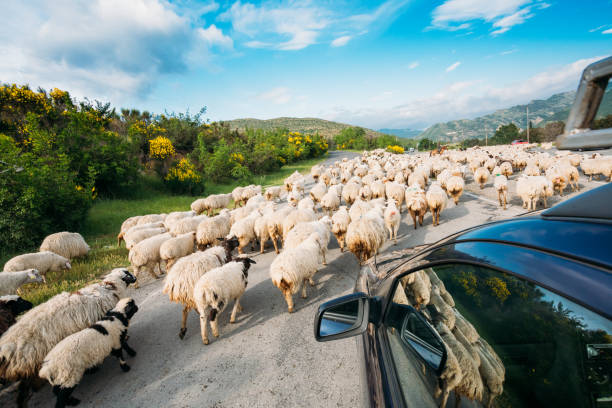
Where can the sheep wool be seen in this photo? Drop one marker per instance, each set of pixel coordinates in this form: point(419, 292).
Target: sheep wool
point(67, 244)
point(244, 230)
point(481, 175)
point(501, 185)
point(216, 289)
point(436, 200)
point(132, 237)
point(145, 255)
point(178, 247)
point(416, 202)
point(340, 223)
point(11, 281)
point(454, 187)
point(68, 361)
point(272, 193)
point(295, 216)
point(211, 229)
point(211, 203)
point(126, 225)
point(302, 231)
point(42, 261)
point(366, 235)
point(392, 220)
point(185, 225)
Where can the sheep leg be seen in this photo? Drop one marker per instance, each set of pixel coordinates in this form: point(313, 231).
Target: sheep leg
point(184, 323)
point(304, 294)
point(414, 218)
point(240, 250)
point(214, 326)
point(505, 200)
point(395, 234)
point(289, 300)
point(275, 245)
point(63, 396)
point(420, 220)
point(261, 246)
point(312, 282)
point(203, 328)
point(118, 353)
point(130, 351)
point(324, 251)
point(235, 311)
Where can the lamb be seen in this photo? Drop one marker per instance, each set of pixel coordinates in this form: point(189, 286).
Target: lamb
point(295, 216)
point(211, 203)
point(340, 223)
point(145, 255)
point(11, 281)
point(392, 219)
point(318, 191)
point(416, 202)
point(436, 200)
point(396, 192)
point(184, 274)
point(454, 187)
point(481, 175)
point(11, 306)
point(506, 169)
point(42, 261)
point(133, 237)
point(211, 229)
point(216, 289)
point(501, 185)
point(185, 225)
point(67, 244)
point(366, 235)
point(293, 267)
point(302, 231)
point(85, 350)
point(25, 344)
point(244, 230)
point(272, 193)
point(176, 248)
point(126, 225)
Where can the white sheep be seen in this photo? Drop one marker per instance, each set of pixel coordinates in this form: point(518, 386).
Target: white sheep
point(67, 244)
point(436, 200)
point(24, 346)
point(481, 175)
point(419, 288)
point(126, 225)
point(273, 193)
point(392, 219)
point(216, 289)
point(293, 267)
point(366, 235)
point(531, 188)
point(302, 231)
point(42, 261)
point(350, 192)
point(237, 195)
point(211, 229)
point(274, 223)
point(491, 370)
point(145, 255)
point(331, 200)
point(318, 191)
point(133, 237)
point(365, 193)
point(295, 216)
point(416, 202)
point(506, 169)
point(151, 218)
point(454, 187)
point(501, 186)
point(211, 203)
point(11, 281)
point(186, 272)
point(340, 222)
point(306, 203)
point(173, 217)
point(396, 192)
point(85, 350)
point(176, 248)
point(185, 225)
point(244, 230)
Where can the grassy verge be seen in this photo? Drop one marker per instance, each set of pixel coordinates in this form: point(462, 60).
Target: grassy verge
point(103, 223)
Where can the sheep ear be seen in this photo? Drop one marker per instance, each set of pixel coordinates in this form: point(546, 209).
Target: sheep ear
point(68, 266)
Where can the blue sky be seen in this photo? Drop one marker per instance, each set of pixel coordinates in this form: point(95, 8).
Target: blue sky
point(392, 64)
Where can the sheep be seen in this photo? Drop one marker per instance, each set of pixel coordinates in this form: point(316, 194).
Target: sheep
point(275, 225)
point(26, 343)
point(365, 193)
point(557, 178)
point(318, 191)
point(42, 261)
point(419, 286)
point(419, 178)
point(211, 203)
point(350, 192)
point(315, 172)
point(416, 202)
point(396, 192)
point(454, 187)
point(67, 244)
point(272, 193)
point(185, 225)
point(295, 216)
point(126, 225)
point(392, 219)
point(173, 217)
point(176, 248)
point(326, 177)
point(481, 175)
point(184, 274)
point(492, 371)
point(294, 266)
point(445, 313)
point(211, 229)
point(366, 235)
point(216, 289)
point(306, 203)
point(145, 255)
point(330, 201)
point(506, 169)
point(531, 170)
point(501, 185)
point(11, 281)
point(151, 218)
point(340, 223)
point(531, 188)
point(302, 231)
point(449, 378)
point(244, 230)
point(85, 351)
point(436, 200)
point(133, 237)
point(260, 227)
point(294, 197)
point(256, 200)
point(11, 306)
point(237, 195)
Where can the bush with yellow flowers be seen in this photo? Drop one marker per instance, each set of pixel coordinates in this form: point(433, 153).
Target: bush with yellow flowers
point(395, 149)
point(161, 148)
point(183, 177)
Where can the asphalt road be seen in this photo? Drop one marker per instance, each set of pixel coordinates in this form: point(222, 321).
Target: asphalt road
point(269, 357)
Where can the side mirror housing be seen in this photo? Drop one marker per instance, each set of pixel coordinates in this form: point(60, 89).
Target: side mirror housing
point(343, 317)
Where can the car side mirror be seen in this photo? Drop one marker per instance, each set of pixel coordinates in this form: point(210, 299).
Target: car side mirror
point(343, 317)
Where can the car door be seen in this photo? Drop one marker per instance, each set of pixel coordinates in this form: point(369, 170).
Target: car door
point(471, 334)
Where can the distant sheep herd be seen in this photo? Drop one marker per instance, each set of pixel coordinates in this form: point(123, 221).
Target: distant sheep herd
point(360, 201)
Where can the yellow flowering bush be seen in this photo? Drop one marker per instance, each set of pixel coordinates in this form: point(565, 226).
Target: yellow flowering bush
point(395, 149)
point(237, 157)
point(161, 148)
point(183, 178)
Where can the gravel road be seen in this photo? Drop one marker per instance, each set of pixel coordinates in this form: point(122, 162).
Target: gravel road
point(268, 358)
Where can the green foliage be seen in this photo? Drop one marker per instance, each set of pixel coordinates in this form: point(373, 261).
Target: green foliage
point(426, 144)
point(351, 138)
point(505, 134)
point(603, 123)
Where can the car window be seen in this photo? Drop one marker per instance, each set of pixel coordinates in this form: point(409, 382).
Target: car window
point(505, 341)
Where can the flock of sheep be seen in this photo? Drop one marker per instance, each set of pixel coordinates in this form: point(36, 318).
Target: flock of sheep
point(360, 201)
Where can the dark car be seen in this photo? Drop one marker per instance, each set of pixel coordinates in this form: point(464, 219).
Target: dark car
point(512, 313)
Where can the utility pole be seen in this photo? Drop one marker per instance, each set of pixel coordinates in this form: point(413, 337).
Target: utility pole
point(486, 136)
point(527, 123)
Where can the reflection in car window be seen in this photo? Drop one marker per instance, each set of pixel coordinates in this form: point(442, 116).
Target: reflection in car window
point(507, 341)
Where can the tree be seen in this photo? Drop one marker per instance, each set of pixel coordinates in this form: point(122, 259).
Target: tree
point(426, 144)
point(505, 134)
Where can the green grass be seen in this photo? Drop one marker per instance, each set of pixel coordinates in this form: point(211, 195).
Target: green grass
point(105, 218)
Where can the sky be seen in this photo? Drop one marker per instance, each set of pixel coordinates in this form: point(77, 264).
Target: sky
point(391, 64)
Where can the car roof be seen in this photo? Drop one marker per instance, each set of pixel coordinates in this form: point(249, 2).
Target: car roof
point(596, 203)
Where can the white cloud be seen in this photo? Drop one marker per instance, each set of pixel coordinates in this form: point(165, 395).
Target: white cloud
point(503, 14)
point(453, 66)
point(341, 41)
point(279, 95)
point(215, 37)
point(608, 31)
point(464, 99)
point(413, 65)
point(507, 52)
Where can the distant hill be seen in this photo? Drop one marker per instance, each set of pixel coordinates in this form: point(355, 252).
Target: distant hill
point(540, 112)
point(326, 128)
point(405, 133)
